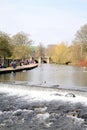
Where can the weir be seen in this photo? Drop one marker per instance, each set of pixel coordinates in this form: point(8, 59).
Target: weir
point(44, 92)
point(30, 107)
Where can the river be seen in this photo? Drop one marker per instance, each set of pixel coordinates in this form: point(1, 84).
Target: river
point(49, 97)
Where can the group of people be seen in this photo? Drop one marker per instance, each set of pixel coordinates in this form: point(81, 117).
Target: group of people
point(26, 62)
point(21, 63)
point(14, 64)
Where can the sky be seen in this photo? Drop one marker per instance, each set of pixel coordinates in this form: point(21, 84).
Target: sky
point(46, 21)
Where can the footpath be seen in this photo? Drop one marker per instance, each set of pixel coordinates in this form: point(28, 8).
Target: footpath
point(18, 68)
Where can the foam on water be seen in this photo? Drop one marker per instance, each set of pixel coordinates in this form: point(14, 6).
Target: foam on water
point(38, 94)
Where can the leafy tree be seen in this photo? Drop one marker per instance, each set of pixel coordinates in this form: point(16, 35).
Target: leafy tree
point(59, 53)
point(21, 38)
point(5, 45)
point(21, 44)
point(34, 51)
point(21, 52)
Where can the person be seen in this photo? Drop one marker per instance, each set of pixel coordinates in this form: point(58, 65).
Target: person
point(14, 64)
point(11, 64)
point(0, 65)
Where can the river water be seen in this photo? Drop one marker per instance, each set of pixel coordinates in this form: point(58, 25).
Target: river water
point(49, 97)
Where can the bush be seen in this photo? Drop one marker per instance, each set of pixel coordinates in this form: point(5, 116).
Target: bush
point(83, 63)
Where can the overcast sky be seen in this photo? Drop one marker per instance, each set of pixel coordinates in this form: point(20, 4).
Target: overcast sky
point(47, 21)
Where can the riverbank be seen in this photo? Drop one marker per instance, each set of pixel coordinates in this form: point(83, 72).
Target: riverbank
point(18, 68)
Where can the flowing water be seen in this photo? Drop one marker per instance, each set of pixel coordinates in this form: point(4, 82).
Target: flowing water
point(49, 97)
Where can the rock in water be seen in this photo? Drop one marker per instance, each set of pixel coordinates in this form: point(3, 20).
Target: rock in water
point(70, 95)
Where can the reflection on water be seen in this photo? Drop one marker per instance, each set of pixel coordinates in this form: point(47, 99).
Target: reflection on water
point(51, 74)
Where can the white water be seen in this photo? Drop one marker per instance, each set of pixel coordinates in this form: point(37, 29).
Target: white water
point(44, 110)
point(32, 100)
point(29, 93)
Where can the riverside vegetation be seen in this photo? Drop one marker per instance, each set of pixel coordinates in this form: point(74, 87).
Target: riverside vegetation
point(20, 46)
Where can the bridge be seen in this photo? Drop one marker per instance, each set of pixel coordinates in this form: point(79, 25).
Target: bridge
point(45, 59)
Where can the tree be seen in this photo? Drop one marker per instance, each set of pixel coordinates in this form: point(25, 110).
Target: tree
point(80, 44)
point(81, 35)
point(41, 50)
point(21, 38)
point(58, 53)
point(21, 52)
point(5, 45)
point(81, 38)
point(21, 44)
point(76, 54)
